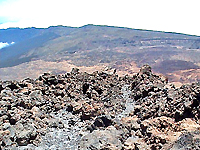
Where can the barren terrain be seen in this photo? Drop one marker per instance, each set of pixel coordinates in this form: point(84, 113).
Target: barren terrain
point(58, 49)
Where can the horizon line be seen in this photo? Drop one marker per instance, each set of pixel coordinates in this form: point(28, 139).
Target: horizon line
point(100, 26)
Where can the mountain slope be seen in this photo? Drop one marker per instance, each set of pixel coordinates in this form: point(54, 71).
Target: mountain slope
point(92, 45)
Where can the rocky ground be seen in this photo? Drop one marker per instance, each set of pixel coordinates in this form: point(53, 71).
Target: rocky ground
point(101, 110)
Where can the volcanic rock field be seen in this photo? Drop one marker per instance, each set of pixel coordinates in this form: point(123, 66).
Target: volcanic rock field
point(101, 110)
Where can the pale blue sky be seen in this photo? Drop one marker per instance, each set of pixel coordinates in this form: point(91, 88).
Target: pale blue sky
point(161, 15)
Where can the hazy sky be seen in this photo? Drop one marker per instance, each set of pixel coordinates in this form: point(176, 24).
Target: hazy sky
point(180, 16)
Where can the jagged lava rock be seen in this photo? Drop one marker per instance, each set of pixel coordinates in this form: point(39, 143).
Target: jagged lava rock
point(101, 110)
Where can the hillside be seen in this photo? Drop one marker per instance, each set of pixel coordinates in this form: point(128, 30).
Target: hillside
point(99, 46)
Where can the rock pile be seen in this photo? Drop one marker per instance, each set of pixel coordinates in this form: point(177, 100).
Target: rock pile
point(101, 110)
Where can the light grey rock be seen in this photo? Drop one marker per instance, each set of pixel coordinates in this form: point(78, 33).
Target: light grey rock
point(100, 139)
point(188, 140)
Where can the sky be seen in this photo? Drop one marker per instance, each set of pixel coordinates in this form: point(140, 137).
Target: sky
point(181, 16)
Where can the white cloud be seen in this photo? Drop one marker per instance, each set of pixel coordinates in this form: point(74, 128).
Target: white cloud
point(171, 16)
point(2, 45)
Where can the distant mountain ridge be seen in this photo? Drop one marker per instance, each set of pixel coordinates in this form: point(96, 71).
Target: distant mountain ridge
point(92, 45)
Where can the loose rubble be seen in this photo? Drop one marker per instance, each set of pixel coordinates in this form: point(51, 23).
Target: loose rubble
point(101, 110)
